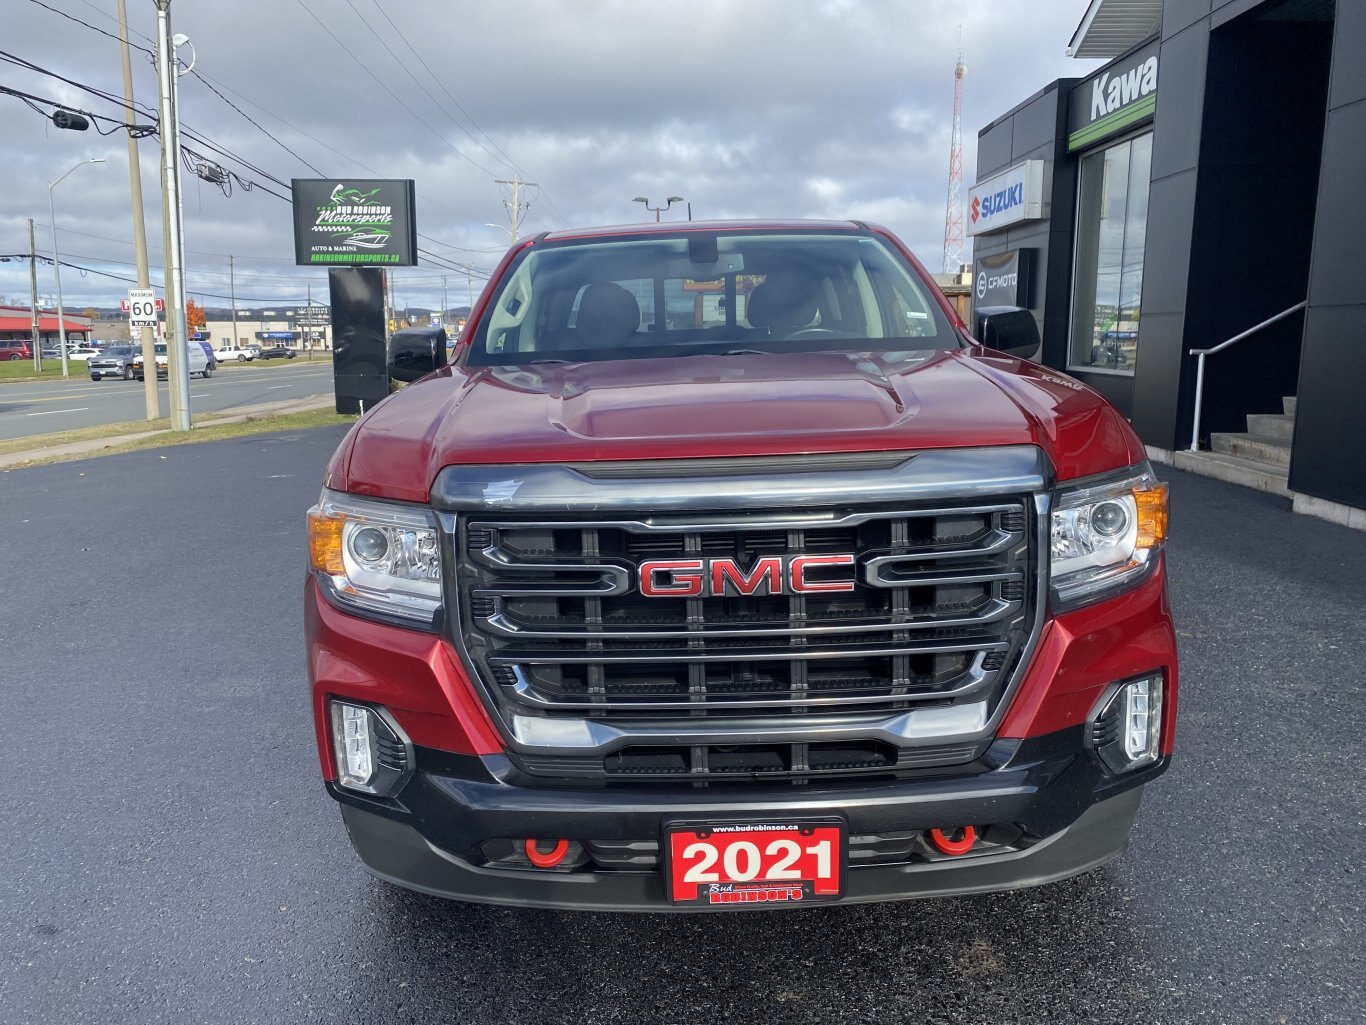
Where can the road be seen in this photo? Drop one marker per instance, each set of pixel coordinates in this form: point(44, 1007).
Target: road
point(168, 854)
point(50, 407)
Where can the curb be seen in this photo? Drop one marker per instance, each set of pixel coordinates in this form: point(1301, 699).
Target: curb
point(95, 445)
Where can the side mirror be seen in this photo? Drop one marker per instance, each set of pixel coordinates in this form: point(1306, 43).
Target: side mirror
point(1008, 329)
point(414, 354)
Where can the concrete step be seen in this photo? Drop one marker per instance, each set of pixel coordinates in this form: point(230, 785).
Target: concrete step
point(1251, 446)
point(1271, 425)
point(1235, 470)
point(1288, 404)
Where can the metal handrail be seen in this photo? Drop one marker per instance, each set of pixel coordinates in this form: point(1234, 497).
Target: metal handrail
point(1202, 353)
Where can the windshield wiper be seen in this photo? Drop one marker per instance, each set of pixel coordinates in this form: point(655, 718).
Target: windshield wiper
point(748, 352)
point(543, 362)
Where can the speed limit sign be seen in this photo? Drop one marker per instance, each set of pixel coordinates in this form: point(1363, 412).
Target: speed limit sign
point(142, 307)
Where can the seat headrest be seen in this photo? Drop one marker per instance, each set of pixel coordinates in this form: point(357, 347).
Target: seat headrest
point(782, 302)
point(608, 315)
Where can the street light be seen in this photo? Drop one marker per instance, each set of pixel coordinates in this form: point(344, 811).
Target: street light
point(57, 260)
point(656, 209)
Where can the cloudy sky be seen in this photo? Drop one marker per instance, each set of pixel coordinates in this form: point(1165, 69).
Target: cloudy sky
point(747, 108)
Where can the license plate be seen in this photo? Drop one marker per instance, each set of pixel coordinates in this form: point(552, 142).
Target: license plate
point(753, 864)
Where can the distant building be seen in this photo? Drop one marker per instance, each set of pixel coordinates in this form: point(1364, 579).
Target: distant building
point(16, 324)
point(303, 328)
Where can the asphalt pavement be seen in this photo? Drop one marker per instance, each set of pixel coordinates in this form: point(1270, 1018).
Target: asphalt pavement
point(168, 853)
point(47, 407)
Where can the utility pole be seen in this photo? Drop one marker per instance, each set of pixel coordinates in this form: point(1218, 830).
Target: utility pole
point(173, 229)
point(445, 306)
point(33, 300)
point(144, 337)
point(516, 207)
point(232, 297)
point(308, 330)
point(388, 304)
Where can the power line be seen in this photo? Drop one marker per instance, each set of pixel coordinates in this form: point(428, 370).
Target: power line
point(459, 106)
point(133, 281)
point(437, 103)
point(263, 130)
point(93, 28)
point(366, 68)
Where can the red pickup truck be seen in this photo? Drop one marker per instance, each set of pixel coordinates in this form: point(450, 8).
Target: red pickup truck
point(723, 567)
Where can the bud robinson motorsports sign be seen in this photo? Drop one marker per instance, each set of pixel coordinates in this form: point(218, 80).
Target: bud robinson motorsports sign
point(355, 222)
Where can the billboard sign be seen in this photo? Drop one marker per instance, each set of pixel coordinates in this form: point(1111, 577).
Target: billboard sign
point(355, 222)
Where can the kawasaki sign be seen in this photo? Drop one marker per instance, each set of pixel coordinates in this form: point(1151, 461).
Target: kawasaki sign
point(1006, 198)
point(354, 222)
point(1121, 94)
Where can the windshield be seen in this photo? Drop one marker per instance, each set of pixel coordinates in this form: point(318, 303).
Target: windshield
point(708, 292)
point(119, 350)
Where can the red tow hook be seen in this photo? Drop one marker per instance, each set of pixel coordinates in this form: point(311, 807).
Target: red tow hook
point(944, 845)
point(548, 860)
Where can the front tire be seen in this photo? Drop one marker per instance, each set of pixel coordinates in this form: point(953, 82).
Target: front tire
point(241, 358)
point(127, 373)
point(208, 371)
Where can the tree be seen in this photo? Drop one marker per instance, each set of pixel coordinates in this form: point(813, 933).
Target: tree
point(194, 316)
point(91, 313)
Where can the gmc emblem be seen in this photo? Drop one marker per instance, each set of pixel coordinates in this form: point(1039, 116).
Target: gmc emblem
point(715, 578)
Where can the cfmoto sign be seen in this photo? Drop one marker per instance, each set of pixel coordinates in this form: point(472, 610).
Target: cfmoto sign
point(1004, 279)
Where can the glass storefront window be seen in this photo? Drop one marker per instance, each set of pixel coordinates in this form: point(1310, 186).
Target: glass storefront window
point(1107, 284)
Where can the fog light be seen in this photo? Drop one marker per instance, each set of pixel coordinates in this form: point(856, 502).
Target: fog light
point(373, 755)
point(1127, 732)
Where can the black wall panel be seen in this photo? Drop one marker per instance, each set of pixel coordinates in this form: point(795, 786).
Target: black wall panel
point(360, 376)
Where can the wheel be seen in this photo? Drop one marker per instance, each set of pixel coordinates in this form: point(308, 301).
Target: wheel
point(241, 358)
point(15, 357)
point(93, 377)
point(292, 355)
point(127, 373)
point(208, 371)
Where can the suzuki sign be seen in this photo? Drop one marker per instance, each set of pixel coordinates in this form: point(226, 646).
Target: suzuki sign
point(1006, 198)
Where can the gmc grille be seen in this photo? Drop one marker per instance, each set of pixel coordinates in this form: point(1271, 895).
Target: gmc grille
point(941, 607)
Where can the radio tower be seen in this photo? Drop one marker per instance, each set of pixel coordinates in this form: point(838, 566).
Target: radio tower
point(953, 217)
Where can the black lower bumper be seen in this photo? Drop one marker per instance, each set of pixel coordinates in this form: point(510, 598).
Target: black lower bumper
point(1069, 815)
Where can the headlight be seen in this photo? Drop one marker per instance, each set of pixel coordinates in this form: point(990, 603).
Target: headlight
point(377, 556)
point(1104, 538)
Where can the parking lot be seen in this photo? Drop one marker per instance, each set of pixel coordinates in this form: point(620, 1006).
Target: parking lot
point(169, 854)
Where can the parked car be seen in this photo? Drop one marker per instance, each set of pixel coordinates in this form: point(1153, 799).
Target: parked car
point(115, 361)
point(199, 361)
point(84, 352)
point(52, 353)
point(15, 350)
point(796, 600)
point(277, 352)
point(240, 353)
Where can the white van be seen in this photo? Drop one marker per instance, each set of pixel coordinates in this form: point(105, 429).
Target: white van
point(195, 353)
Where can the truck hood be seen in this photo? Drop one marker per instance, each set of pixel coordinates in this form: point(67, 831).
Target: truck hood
point(718, 406)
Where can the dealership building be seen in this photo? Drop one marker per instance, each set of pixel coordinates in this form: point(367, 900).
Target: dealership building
point(1208, 183)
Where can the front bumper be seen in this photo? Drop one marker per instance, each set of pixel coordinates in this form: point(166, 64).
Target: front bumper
point(1037, 776)
point(432, 841)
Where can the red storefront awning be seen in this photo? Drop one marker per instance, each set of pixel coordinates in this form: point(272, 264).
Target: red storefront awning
point(46, 323)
